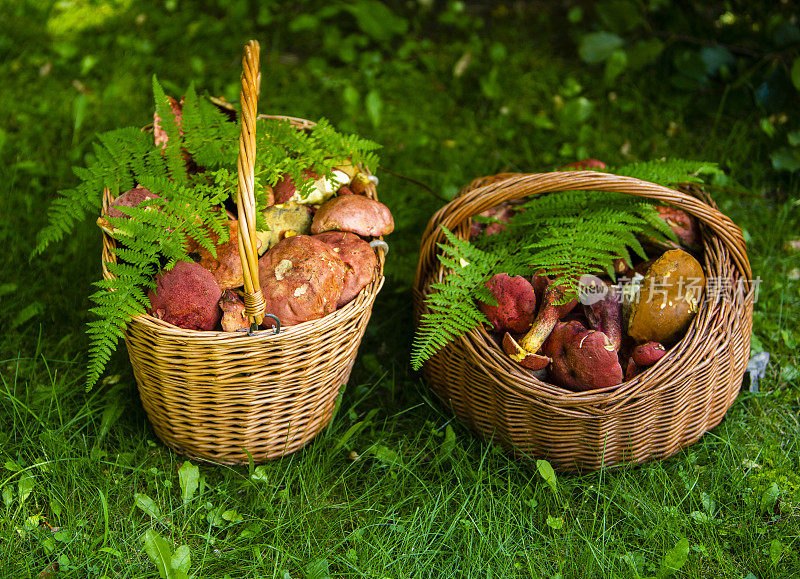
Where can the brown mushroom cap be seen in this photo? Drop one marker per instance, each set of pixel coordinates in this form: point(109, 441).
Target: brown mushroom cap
point(359, 259)
point(516, 304)
point(301, 279)
point(669, 298)
point(354, 213)
point(186, 296)
point(359, 183)
point(131, 198)
point(581, 359)
point(226, 267)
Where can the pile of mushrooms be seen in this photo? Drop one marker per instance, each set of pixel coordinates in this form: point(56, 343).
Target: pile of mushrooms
point(613, 332)
point(313, 260)
point(315, 253)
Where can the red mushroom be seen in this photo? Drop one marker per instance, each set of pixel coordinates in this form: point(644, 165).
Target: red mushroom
point(501, 213)
point(683, 225)
point(583, 165)
point(525, 351)
point(643, 356)
point(226, 267)
point(359, 260)
point(516, 304)
point(581, 359)
point(186, 296)
point(131, 198)
point(648, 353)
point(632, 370)
point(354, 213)
point(540, 283)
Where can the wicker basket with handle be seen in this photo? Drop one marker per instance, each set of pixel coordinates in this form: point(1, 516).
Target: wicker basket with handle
point(653, 416)
point(226, 397)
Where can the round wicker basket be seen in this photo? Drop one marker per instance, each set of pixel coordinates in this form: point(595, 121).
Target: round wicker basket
point(651, 417)
point(229, 397)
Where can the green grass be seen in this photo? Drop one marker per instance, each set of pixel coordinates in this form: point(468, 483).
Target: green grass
point(412, 493)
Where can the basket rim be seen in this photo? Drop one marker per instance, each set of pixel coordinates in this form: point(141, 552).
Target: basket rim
point(470, 201)
point(363, 301)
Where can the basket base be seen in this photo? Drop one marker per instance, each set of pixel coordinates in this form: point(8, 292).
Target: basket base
point(262, 431)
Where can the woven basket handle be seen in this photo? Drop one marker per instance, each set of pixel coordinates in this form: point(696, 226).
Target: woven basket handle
point(508, 187)
point(245, 197)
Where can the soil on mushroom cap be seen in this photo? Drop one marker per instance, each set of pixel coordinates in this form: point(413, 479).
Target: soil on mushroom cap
point(359, 259)
point(301, 279)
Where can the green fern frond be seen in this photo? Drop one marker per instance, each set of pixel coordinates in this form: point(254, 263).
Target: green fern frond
point(114, 308)
point(452, 308)
point(668, 171)
point(208, 136)
point(360, 151)
point(283, 149)
point(111, 167)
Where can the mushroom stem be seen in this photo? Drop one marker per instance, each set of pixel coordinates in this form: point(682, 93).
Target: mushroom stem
point(545, 320)
point(524, 351)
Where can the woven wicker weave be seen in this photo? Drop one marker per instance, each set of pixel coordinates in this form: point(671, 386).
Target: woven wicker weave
point(223, 396)
point(653, 416)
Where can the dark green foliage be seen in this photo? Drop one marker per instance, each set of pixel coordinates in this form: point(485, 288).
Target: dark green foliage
point(209, 135)
point(577, 232)
point(192, 202)
point(283, 149)
point(742, 53)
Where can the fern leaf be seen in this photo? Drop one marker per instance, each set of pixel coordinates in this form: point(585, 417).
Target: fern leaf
point(452, 306)
point(668, 171)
